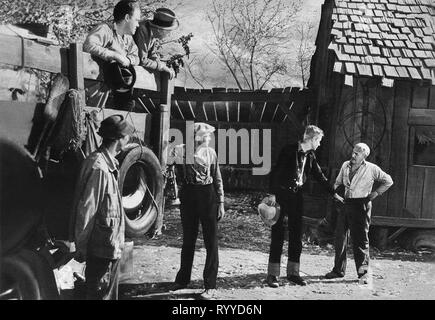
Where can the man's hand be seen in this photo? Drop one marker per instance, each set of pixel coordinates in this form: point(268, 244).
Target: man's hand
point(170, 71)
point(221, 211)
point(272, 200)
point(123, 60)
point(338, 198)
point(372, 196)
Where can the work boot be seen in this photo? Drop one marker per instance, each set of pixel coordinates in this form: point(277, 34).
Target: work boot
point(293, 273)
point(333, 275)
point(208, 294)
point(272, 281)
point(296, 280)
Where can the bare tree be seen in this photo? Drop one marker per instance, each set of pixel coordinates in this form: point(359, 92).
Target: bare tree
point(306, 47)
point(252, 38)
point(194, 69)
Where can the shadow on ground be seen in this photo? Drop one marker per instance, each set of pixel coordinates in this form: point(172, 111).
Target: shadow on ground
point(243, 229)
point(161, 290)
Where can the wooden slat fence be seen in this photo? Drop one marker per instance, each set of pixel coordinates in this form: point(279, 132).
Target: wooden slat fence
point(233, 105)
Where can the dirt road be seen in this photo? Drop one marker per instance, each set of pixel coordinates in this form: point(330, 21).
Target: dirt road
point(244, 244)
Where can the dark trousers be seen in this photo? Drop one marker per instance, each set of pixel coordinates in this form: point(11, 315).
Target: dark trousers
point(102, 278)
point(354, 218)
point(199, 204)
point(291, 206)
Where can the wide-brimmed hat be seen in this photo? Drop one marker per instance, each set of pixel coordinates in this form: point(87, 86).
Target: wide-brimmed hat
point(201, 129)
point(164, 19)
point(269, 213)
point(115, 127)
point(119, 77)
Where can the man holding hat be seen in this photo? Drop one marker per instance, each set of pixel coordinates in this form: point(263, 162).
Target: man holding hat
point(113, 47)
point(201, 200)
point(294, 163)
point(269, 210)
point(147, 35)
point(98, 218)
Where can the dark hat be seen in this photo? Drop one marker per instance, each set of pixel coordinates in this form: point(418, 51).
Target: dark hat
point(117, 76)
point(115, 127)
point(164, 19)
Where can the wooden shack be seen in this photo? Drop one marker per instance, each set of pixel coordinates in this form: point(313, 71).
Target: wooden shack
point(373, 80)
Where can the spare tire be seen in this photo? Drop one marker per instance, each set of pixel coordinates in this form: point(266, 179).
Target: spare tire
point(141, 186)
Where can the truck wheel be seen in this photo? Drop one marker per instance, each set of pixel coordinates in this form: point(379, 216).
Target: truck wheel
point(141, 185)
point(18, 281)
point(19, 180)
point(26, 275)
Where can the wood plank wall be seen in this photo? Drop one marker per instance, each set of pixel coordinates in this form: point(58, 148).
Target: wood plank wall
point(398, 109)
point(233, 105)
point(420, 188)
point(399, 149)
point(240, 176)
point(31, 54)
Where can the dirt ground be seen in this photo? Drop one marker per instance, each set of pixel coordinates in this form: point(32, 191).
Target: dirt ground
point(243, 253)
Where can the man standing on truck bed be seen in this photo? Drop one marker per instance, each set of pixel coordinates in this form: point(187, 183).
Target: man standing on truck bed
point(113, 42)
point(98, 212)
point(149, 33)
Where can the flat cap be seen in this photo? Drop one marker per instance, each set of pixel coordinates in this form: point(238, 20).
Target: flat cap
point(115, 127)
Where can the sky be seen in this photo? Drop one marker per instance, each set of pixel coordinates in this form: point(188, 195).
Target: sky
point(192, 17)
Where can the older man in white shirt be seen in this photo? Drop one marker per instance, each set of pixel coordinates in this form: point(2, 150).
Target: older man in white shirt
point(357, 176)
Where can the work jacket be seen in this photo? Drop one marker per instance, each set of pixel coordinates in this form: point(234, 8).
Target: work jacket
point(97, 208)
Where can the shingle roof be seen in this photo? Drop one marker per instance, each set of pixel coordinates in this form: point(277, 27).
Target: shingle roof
point(386, 38)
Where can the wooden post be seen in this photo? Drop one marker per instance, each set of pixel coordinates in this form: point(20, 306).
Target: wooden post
point(160, 128)
point(199, 111)
point(161, 121)
point(75, 69)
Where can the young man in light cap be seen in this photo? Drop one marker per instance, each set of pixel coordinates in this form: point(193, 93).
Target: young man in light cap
point(149, 33)
point(98, 225)
point(202, 200)
point(357, 176)
point(288, 176)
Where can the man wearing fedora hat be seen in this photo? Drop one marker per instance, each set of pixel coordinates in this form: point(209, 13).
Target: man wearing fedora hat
point(147, 35)
point(113, 47)
point(288, 176)
point(98, 220)
point(201, 200)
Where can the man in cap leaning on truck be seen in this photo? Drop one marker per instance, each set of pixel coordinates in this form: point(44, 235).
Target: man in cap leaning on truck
point(98, 225)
